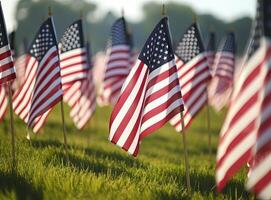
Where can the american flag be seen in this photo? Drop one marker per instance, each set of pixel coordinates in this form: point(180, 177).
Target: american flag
point(42, 88)
point(210, 50)
point(7, 69)
point(151, 94)
point(238, 134)
point(73, 58)
point(193, 74)
point(221, 85)
point(118, 65)
point(83, 106)
point(3, 101)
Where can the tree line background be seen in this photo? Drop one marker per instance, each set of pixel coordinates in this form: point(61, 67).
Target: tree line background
point(31, 13)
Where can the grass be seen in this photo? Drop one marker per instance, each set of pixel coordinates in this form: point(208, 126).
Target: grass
point(99, 170)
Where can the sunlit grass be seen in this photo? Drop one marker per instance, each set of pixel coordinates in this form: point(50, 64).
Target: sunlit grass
point(98, 169)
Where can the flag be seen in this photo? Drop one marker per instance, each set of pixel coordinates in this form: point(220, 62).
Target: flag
point(151, 93)
point(221, 85)
point(83, 107)
point(210, 51)
point(238, 134)
point(193, 73)
point(73, 58)
point(7, 69)
point(118, 64)
point(259, 179)
point(3, 101)
point(42, 88)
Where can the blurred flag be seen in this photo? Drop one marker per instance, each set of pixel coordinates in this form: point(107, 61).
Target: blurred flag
point(210, 51)
point(193, 73)
point(247, 110)
point(7, 69)
point(73, 58)
point(221, 85)
point(11, 38)
point(3, 101)
point(84, 105)
point(151, 94)
point(41, 89)
point(118, 65)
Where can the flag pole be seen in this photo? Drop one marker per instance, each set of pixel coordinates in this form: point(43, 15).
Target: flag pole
point(12, 126)
point(187, 173)
point(64, 130)
point(209, 127)
point(62, 112)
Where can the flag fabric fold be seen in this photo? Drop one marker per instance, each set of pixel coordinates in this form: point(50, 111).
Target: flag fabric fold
point(7, 68)
point(41, 89)
point(73, 55)
point(194, 75)
point(151, 94)
point(245, 135)
point(118, 64)
point(221, 84)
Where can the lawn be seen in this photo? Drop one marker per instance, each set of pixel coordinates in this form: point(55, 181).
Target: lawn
point(98, 169)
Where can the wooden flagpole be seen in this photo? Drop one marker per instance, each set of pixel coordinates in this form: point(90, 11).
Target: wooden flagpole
point(209, 128)
point(64, 130)
point(187, 173)
point(62, 112)
point(12, 126)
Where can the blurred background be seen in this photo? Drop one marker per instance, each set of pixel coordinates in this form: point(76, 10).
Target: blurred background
point(25, 16)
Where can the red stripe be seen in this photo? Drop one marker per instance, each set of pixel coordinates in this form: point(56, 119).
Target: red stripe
point(203, 60)
point(126, 92)
point(159, 124)
point(78, 64)
point(82, 54)
point(5, 55)
point(131, 109)
point(8, 78)
point(231, 171)
point(162, 76)
point(262, 183)
point(7, 66)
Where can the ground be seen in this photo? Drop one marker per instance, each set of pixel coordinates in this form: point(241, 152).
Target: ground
point(98, 169)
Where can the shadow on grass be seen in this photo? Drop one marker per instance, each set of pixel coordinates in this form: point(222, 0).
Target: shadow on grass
point(115, 156)
point(98, 153)
point(205, 183)
point(82, 164)
point(10, 182)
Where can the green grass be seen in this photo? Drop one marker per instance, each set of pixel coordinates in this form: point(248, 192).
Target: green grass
point(99, 170)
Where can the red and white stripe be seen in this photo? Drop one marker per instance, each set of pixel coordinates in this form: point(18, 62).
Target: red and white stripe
point(74, 66)
point(193, 78)
point(7, 69)
point(221, 85)
point(3, 102)
point(84, 106)
point(148, 100)
point(259, 180)
point(224, 65)
point(42, 78)
point(210, 55)
point(118, 67)
point(238, 133)
point(20, 64)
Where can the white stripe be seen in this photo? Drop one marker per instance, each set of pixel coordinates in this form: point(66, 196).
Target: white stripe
point(191, 64)
point(235, 129)
point(234, 155)
point(116, 64)
point(190, 86)
point(48, 91)
point(4, 49)
point(117, 56)
point(74, 68)
point(120, 47)
point(48, 102)
point(73, 52)
point(157, 118)
point(123, 111)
